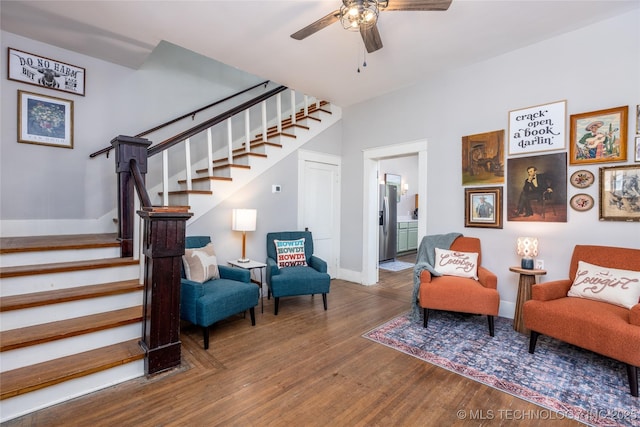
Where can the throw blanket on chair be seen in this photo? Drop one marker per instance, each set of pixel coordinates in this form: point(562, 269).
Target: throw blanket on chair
point(424, 261)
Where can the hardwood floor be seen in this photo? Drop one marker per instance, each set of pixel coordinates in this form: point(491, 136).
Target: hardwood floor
point(304, 367)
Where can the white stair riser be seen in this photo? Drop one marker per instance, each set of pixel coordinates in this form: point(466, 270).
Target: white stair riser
point(26, 403)
point(21, 357)
point(47, 282)
point(47, 257)
point(67, 310)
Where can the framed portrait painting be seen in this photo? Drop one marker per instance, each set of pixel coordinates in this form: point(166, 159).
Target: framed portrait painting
point(483, 207)
point(599, 136)
point(45, 120)
point(537, 188)
point(483, 158)
point(620, 193)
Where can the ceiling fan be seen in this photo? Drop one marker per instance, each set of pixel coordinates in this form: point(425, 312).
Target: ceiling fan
point(362, 15)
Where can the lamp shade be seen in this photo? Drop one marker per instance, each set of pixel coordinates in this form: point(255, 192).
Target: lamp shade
point(527, 247)
point(244, 220)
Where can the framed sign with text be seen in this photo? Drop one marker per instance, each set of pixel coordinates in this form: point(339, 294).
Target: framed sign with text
point(537, 128)
point(45, 72)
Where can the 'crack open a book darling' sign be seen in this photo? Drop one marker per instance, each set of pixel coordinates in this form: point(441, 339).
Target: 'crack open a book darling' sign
point(539, 128)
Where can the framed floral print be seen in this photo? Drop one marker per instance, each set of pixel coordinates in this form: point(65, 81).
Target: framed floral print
point(45, 120)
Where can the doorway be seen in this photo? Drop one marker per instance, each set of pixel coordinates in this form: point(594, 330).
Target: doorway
point(319, 204)
point(370, 202)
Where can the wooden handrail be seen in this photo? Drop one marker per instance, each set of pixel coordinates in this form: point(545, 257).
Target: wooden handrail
point(184, 116)
point(170, 142)
point(138, 179)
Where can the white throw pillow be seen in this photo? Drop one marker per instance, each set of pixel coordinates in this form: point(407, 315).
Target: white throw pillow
point(618, 287)
point(201, 264)
point(290, 253)
point(455, 263)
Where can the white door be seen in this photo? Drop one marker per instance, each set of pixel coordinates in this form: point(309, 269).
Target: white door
point(319, 198)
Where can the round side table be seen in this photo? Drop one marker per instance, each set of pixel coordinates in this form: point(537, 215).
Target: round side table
point(527, 279)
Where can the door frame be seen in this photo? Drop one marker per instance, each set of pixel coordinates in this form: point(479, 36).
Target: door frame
point(333, 160)
point(370, 181)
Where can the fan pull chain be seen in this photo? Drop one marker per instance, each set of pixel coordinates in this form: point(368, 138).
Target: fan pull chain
point(364, 58)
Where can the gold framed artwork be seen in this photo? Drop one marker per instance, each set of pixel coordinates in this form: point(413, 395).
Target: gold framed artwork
point(483, 207)
point(599, 136)
point(483, 158)
point(620, 193)
point(45, 120)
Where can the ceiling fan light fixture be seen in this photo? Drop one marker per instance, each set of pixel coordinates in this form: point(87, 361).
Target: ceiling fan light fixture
point(356, 13)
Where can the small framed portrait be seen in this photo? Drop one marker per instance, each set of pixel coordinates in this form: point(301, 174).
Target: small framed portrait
point(620, 193)
point(483, 207)
point(599, 136)
point(637, 150)
point(45, 120)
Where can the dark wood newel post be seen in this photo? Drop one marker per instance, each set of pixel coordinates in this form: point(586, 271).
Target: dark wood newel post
point(128, 148)
point(164, 236)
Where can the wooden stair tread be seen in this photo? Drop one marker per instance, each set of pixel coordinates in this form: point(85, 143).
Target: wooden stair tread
point(57, 242)
point(206, 178)
point(37, 299)
point(47, 332)
point(45, 374)
point(179, 192)
point(60, 267)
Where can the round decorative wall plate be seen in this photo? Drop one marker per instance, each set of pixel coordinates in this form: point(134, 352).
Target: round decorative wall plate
point(582, 179)
point(581, 202)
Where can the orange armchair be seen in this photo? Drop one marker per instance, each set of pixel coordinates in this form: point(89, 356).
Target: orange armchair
point(598, 326)
point(466, 295)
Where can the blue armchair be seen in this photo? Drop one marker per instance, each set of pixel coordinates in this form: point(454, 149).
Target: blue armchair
point(203, 304)
point(284, 281)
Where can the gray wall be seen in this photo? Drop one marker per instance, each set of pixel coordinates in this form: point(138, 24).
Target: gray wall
point(477, 99)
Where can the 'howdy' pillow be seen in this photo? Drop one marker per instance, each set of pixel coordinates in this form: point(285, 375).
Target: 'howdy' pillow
point(618, 287)
point(454, 263)
point(290, 253)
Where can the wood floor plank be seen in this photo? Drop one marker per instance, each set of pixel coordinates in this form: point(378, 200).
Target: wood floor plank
point(305, 366)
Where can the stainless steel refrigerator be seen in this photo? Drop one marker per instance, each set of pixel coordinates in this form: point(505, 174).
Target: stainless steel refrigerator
point(387, 219)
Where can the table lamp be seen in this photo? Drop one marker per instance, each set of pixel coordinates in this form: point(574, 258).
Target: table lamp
point(528, 249)
point(244, 220)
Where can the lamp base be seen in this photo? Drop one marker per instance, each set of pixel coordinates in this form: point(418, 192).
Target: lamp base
point(527, 263)
point(247, 260)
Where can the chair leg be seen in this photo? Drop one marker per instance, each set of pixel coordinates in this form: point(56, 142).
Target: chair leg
point(324, 301)
point(205, 334)
point(491, 325)
point(252, 313)
point(533, 339)
point(275, 305)
point(425, 317)
point(632, 372)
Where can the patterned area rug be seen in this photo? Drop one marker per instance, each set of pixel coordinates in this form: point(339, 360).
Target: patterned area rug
point(575, 383)
point(395, 265)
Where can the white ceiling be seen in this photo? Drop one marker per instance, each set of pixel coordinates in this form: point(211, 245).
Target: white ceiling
point(254, 36)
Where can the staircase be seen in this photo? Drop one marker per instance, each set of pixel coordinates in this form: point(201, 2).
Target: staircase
point(208, 188)
point(71, 307)
point(70, 313)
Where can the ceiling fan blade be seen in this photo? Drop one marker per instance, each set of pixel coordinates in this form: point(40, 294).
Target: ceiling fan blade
point(317, 26)
point(418, 5)
point(371, 37)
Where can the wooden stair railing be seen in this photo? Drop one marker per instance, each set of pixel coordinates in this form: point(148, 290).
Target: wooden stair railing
point(163, 233)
